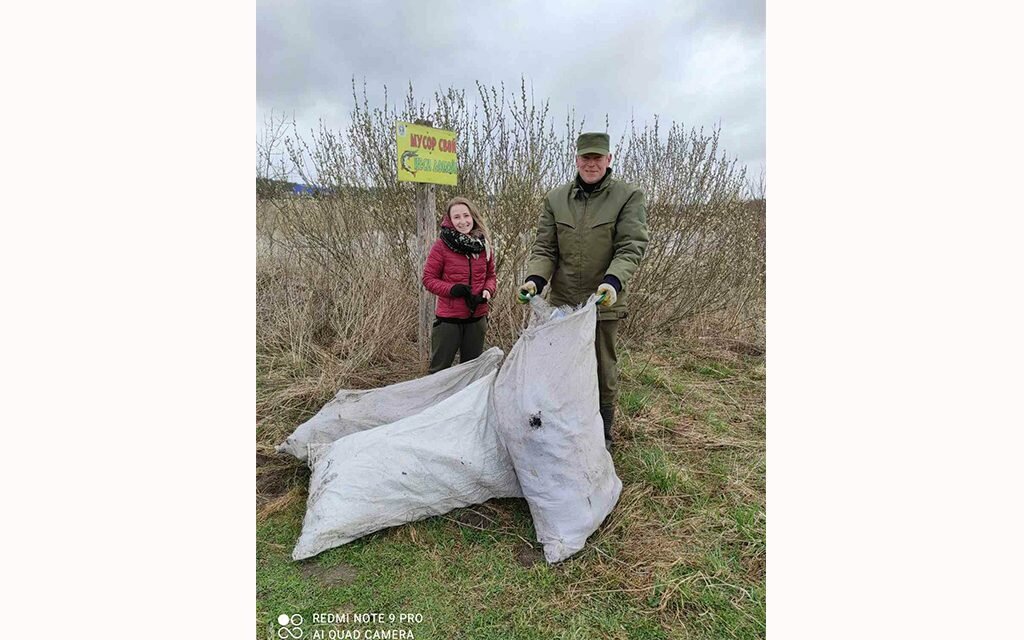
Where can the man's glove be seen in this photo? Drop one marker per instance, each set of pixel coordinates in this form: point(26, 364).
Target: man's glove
point(526, 291)
point(460, 291)
point(609, 294)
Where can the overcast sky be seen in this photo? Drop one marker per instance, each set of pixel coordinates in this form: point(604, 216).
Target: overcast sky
point(699, 63)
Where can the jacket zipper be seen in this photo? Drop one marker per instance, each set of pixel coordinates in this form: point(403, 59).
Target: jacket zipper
point(470, 259)
point(583, 223)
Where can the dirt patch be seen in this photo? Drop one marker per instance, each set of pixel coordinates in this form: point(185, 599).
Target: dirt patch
point(528, 556)
point(337, 576)
point(755, 568)
point(738, 347)
point(471, 518)
point(746, 349)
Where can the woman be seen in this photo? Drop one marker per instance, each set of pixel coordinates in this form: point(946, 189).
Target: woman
point(460, 272)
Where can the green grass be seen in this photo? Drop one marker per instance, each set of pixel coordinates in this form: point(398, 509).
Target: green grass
point(681, 556)
point(633, 401)
point(657, 470)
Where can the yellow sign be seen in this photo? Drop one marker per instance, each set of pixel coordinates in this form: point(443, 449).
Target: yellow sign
point(426, 154)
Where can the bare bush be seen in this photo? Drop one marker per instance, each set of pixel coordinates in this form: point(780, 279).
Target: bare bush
point(704, 258)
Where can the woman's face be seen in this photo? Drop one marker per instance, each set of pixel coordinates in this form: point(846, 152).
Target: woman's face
point(461, 218)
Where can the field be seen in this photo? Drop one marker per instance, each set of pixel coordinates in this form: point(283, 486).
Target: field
point(681, 556)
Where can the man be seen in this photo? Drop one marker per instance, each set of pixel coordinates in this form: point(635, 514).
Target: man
point(591, 236)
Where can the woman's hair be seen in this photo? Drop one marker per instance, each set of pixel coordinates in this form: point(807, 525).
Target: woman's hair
point(479, 224)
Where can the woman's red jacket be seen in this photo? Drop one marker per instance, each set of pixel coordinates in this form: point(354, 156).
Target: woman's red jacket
point(446, 268)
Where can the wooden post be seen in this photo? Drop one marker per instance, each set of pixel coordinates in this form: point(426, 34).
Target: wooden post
point(426, 235)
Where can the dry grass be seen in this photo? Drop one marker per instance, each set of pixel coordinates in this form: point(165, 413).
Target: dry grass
point(675, 530)
point(684, 547)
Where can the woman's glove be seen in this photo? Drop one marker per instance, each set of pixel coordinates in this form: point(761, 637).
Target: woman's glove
point(474, 301)
point(460, 291)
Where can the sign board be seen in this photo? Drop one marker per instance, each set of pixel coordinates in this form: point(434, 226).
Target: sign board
point(426, 154)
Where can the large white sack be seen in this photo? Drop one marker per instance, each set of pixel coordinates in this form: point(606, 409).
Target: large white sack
point(546, 404)
point(353, 411)
point(446, 457)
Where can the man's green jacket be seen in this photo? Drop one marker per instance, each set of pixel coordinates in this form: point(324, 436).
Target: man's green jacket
point(582, 238)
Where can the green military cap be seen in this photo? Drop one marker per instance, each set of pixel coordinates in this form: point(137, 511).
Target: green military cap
point(592, 143)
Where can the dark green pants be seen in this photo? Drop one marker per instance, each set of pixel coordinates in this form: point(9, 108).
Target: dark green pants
point(449, 338)
point(607, 362)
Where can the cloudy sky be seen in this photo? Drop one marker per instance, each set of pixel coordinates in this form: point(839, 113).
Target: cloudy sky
point(701, 63)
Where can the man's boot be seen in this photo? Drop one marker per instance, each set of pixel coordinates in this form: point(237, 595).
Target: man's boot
point(608, 417)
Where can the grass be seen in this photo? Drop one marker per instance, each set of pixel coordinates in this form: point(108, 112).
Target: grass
point(681, 556)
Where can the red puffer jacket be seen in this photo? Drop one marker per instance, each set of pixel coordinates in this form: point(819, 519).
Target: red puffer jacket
point(446, 268)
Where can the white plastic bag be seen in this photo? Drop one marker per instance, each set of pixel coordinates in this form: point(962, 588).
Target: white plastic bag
point(353, 411)
point(445, 457)
point(546, 404)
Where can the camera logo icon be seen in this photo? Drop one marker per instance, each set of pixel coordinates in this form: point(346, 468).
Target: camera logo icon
point(291, 626)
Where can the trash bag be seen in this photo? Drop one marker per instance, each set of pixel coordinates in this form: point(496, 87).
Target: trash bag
point(445, 457)
point(546, 405)
point(353, 411)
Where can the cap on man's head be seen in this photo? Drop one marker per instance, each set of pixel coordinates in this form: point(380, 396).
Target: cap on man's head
point(592, 143)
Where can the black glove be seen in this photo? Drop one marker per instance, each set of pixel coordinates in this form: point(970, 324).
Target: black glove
point(474, 301)
point(460, 291)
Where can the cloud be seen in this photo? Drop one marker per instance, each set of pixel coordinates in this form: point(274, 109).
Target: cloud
point(696, 63)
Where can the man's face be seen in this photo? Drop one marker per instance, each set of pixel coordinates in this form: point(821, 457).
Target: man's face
point(592, 166)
